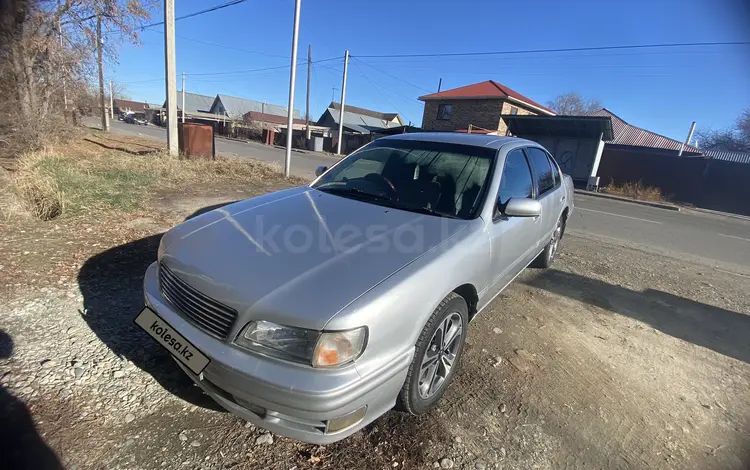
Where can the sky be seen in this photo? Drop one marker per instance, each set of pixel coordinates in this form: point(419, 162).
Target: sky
point(662, 90)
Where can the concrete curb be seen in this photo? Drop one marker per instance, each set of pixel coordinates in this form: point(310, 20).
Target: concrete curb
point(658, 205)
point(718, 213)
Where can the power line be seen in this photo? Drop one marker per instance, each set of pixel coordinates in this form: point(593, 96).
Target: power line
point(565, 49)
point(393, 76)
point(411, 99)
point(378, 90)
point(201, 12)
point(278, 67)
point(222, 46)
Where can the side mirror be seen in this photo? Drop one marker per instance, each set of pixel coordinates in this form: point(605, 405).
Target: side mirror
point(320, 170)
point(522, 207)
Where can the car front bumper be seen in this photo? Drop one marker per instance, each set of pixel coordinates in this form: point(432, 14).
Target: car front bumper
point(292, 400)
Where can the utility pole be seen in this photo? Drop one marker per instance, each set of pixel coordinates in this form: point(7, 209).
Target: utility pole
point(687, 141)
point(440, 85)
point(183, 97)
point(171, 79)
point(105, 121)
point(343, 98)
point(292, 80)
point(307, 99)
point(111, 101)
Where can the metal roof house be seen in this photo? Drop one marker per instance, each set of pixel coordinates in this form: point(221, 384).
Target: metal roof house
point(626, 135)
point(737, 157)
point(123, 106)
point(236, 108)
point(194, 103)
point(356, 121)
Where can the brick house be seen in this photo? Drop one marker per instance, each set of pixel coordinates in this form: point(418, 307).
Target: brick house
point(480, 105)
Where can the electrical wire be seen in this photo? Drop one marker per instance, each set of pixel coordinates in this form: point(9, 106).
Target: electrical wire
point(221, 46)
point(201, 12)
point(378, 90)
point(278, 67)
point(392, 76)
point(564, 49)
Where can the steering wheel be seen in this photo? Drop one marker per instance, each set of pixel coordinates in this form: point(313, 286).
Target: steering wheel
point(383, 181)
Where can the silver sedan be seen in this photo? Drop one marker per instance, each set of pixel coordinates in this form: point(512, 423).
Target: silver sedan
point(312, 311)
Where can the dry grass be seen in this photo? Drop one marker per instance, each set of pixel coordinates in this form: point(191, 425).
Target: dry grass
point(106, 174)
point(635, 190)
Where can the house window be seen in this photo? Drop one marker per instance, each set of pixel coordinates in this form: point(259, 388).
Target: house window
point(513, 110)
point(444, 112)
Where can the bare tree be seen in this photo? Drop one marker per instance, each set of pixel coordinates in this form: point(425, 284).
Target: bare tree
point(573, 104)
point(119, 91)
point(734, 139)
point(47, 46)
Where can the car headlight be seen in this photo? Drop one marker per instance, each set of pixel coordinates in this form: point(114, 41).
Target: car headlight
point(319, 349)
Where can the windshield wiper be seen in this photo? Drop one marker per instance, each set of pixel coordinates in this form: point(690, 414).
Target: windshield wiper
point(388, 202)
point(421, 210)
point(354, 192)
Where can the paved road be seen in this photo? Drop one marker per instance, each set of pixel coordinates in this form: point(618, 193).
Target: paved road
point(707, 236)
point(303, 163)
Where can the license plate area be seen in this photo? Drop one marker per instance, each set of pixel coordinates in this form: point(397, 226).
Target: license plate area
point(182, 349)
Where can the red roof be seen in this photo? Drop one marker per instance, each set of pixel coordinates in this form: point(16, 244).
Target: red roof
point(488, 89)
point(135, 106)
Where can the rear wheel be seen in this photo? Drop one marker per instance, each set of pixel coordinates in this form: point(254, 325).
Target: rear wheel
point(547, 256)
point(436, 357)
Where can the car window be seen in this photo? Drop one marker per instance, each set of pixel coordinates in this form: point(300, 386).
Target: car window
point(516, 178)
point(361, 167)
point(555, 171)
point(542, 170)
point(434, 177)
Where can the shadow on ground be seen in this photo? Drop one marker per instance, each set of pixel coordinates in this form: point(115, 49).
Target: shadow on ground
point(715, 328)
point(21, 446)
point(112, 286)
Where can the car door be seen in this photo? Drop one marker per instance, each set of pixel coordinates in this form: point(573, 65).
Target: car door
point(513, 240)
point(545, 185)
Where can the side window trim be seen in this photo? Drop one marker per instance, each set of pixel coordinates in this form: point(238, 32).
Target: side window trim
point(555, 166)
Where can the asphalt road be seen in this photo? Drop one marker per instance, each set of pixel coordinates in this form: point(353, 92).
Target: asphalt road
point(707, 236)
point(303, 162)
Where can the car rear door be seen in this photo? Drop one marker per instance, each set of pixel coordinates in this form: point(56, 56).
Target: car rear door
point(513, 240)
point(545, 185)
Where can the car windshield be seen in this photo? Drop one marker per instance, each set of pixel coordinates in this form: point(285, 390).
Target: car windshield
point(447, 180)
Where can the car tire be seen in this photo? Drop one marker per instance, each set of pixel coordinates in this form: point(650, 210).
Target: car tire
point(547, 256)
point(433, 366)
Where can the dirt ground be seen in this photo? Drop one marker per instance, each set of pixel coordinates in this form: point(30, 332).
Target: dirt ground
point(615, 358)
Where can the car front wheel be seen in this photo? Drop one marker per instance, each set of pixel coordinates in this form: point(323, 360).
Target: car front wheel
point(436, 357)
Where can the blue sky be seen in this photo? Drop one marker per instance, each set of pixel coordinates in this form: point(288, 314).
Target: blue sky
point(662, 90)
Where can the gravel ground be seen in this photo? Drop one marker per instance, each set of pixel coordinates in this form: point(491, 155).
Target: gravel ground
point(615, 358)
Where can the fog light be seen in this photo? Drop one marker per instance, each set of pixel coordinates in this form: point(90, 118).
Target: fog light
point(346, 421)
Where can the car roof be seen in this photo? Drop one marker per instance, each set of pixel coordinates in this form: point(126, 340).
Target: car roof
point(477, 140)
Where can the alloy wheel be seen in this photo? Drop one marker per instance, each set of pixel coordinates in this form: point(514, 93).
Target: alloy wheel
point(555, 241)
point(440, 356)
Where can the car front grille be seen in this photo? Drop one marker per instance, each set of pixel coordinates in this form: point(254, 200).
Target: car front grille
point(203, 311)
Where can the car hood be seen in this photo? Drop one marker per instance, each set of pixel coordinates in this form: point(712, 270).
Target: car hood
point(297, 257)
